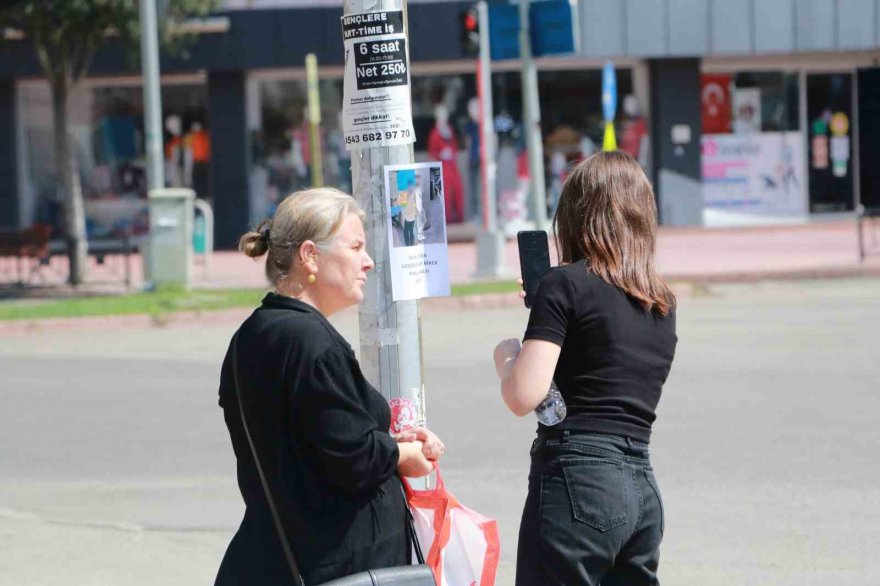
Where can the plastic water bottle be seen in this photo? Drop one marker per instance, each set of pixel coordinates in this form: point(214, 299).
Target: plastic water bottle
point(552, 409)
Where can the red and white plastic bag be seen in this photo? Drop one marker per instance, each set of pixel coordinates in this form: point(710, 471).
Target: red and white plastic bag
point(461, 546)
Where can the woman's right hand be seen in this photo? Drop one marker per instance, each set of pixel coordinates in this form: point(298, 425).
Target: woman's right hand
point(412, 462)
point(432, 446)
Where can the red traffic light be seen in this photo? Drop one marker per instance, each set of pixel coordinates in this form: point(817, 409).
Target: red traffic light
point(470, 22)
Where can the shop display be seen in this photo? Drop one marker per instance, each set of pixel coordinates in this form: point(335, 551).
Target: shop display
point(829, 112)
point(443, 146)
point(107, 124)
point(197, 157)
point(634, 130)
point(174, 164)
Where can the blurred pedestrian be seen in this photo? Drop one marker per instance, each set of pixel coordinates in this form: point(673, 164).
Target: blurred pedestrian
point(602, 327)
point(320, 430)
point(411, 214)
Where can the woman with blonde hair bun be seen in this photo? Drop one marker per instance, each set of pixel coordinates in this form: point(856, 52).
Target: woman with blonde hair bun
point(602, 327)
point(319, 429)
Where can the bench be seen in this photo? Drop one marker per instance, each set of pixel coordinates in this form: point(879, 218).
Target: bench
point(26, 247)
point(103, 248)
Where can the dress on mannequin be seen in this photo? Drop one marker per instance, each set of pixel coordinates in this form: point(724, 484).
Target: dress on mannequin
point(198, 144)
point(635, 129)
point(174, 155)
point(443, 147)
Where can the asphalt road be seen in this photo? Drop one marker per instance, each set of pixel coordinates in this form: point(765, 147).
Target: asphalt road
point(116, 467)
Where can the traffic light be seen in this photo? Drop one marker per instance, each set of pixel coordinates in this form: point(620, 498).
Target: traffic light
point(470, 31)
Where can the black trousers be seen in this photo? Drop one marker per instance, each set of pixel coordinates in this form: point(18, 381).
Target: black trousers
point(593, 515)
point(409, 233)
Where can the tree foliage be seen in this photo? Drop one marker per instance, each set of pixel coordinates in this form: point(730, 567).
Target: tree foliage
point(67, 33)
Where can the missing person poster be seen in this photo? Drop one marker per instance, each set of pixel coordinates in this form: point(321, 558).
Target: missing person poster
point(417, 231)
point(376, 103)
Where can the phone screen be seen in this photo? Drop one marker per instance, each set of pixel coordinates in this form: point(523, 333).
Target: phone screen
point(534, 260)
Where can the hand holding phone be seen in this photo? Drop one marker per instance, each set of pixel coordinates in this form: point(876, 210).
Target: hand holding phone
point(534, 260)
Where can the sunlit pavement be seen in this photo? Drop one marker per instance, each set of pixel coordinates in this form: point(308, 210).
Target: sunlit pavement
point(117, 468)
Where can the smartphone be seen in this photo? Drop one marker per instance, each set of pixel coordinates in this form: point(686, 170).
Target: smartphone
point(534, 260)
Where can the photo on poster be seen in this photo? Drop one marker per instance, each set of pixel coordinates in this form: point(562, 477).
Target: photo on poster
point(417, 231)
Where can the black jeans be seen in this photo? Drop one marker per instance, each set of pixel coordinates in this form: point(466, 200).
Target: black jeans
point(593, 515)
point(409, 233)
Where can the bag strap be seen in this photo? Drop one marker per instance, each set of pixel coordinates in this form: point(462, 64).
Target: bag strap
point(411, 529)
point(276, 518)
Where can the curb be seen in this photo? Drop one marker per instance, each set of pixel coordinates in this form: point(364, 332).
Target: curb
point(123, 322)
point(778, 275)
point(684, 285)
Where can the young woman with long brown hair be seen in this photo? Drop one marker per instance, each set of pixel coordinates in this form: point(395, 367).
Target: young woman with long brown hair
point(602, 327)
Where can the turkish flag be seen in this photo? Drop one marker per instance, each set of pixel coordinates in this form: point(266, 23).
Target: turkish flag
point(715, 100)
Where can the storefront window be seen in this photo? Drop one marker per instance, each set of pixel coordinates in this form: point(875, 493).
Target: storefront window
point(106, 124)
point(571, 124)
point(445, 118)
point(753, 149)
point(282, 158)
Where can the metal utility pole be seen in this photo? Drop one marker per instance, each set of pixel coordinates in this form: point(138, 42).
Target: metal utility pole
point(857, 173)
point(390, 355)
point(152, 95)
point(314, 120)
point(532, 121)
point(490, 242)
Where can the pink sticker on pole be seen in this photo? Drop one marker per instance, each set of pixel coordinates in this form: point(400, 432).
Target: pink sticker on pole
point(404, 415)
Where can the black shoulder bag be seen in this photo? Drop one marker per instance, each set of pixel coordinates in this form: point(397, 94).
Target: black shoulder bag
point(418, 575)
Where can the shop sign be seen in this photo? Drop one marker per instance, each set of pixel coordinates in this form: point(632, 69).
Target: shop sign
point(751, 177)
point(376, 103)
point(551, 29)
point(416, 221)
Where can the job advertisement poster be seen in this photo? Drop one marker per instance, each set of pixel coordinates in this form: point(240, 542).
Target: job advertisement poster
point(376, 104)
point(417, 231)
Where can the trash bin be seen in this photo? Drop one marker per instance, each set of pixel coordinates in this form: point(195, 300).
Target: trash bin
point(171, 236)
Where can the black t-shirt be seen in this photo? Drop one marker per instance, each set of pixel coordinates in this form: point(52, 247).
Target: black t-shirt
point(615, 355)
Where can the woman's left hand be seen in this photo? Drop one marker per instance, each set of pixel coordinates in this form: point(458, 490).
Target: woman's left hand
point(432, 447)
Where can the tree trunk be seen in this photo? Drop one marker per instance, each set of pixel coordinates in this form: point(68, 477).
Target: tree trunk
point(68, 173)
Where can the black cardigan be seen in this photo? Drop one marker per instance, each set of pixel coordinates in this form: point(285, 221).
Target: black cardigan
point(322, 434)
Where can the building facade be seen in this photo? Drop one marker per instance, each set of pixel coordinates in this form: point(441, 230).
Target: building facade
point(742, 111)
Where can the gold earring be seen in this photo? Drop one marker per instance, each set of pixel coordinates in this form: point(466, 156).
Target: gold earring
point(312, 278)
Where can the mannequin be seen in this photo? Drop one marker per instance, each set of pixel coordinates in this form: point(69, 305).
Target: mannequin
point(196, 159)
point(174, 155)
point(473, 207)
point(300, 153)
point(634, 135)
point(442, 146)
